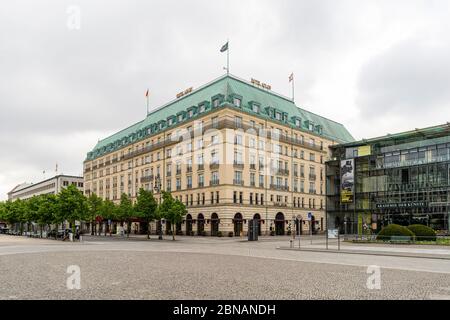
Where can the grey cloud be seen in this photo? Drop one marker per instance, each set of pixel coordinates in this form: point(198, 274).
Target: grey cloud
point(411, 79)
point(61, 90)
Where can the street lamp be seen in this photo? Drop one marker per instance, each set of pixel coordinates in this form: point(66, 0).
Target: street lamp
point(158, 190)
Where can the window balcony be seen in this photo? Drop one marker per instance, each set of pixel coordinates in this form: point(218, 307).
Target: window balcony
point(312, 177)
point(282, 172)
point(178, 172)
point(252, 166)
point(238, 165)
point(189, 169)
point(214, 166)
point(201, 184)
point(279, 187)
point(201, 167)
point(238, 182)
point(214, 182)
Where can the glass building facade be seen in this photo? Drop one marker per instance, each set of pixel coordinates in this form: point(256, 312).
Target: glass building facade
point(402, 179)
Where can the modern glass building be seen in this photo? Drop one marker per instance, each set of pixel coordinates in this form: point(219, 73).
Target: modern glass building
point(401, 178)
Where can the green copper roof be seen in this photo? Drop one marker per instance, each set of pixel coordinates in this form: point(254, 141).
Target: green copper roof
point(224, 88)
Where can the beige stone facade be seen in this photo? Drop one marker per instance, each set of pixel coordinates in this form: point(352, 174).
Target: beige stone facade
point(228, 166)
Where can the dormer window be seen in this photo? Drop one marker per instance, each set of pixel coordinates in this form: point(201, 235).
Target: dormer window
point(202, 108)
point(216, 103)
point(298, 123)
point(170, 121)
point(191, 113)
point(180, 117)
point(278, 116)
point(237, 102)
point(255, 108)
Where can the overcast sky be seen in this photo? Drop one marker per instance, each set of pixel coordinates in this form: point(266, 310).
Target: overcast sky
point(376, 66)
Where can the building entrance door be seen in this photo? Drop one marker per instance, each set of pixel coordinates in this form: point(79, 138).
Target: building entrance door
point(279, 224)
point(238, 224)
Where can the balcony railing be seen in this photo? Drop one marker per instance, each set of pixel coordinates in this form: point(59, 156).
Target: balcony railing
point(214, 166)
point(279, 187)
point(238, 165)
point(238, 182)
point(189, 169)
point(282, 172)
point(252, 166)
point(201, 184)
point(178, 172)
point(146, 179)
point(214, 182)
point(201, 167)
point(312, 177)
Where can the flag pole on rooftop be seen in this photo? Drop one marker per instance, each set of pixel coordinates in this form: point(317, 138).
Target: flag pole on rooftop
point(291, 79)
point(146, 96)
point(224, 48)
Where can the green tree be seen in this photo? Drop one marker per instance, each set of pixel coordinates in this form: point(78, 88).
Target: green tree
point(125, 211)
point(94, 207)
point(108, 212)
point(47, 211)
point(146, 207)
point(172, 210)
point(2, 211)
point(72, 205)
point(18, 211)
point(32, 210)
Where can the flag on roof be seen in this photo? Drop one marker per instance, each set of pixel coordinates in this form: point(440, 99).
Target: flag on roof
point(291, 77)
point(146, 94)
point(224, 47)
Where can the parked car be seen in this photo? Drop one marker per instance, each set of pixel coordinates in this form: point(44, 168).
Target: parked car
point(4, 230)
point(58, 233)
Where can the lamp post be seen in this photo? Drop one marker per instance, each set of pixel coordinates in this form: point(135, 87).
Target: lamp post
point(158, 190)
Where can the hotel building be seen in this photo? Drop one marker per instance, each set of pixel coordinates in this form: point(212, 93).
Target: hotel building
point(230, 150)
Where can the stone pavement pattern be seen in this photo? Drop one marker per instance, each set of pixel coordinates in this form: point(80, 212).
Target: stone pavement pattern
point(207, 268)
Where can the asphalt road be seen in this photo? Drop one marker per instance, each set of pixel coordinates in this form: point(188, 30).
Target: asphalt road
point(207, 268)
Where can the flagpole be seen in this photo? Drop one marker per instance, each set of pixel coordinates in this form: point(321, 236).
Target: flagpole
point(147, 101)
point(293, 91)
point(228, 57)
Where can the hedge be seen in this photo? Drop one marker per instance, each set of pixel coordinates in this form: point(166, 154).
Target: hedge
point(423, 232)
point(394, 230)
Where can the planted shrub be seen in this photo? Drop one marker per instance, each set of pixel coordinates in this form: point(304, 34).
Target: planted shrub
point(394, 230)
point(230, 234)
point(219, 234)
point(423, 232)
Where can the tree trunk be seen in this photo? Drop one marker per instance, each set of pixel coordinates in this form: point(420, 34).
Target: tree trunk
point(173, 231)
point(148, 229)
point(93, 227)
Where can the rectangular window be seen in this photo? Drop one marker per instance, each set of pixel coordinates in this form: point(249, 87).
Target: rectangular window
point(238, 122)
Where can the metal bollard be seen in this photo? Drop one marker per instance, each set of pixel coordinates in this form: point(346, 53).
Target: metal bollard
point(291, 243)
